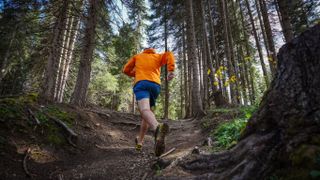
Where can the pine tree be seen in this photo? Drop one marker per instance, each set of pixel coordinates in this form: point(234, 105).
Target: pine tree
point(80, 92)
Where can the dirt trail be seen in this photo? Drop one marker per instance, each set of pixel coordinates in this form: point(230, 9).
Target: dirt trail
point(106, 148)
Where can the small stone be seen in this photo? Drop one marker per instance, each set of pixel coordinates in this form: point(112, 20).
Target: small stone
point(196, 150)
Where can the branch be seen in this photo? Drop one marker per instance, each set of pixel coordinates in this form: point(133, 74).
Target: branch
point(35, 119)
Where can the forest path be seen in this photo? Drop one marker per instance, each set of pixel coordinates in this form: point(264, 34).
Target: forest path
point(108, 147)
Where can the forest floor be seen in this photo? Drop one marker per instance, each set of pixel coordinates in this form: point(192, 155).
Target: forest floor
point(104, 147)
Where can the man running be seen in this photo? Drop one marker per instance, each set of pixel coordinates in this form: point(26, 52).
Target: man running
point(145, 68)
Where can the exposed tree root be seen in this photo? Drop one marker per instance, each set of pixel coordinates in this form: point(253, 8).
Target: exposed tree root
point(25, 167)
point(288, 119)
point(33, 117)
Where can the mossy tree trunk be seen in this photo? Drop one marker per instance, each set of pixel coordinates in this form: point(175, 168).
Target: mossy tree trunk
point(284, 134)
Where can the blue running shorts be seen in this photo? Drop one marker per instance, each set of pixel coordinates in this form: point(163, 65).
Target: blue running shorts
point(147, 89)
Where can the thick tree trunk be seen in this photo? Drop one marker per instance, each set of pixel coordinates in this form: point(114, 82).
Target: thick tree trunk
point(283, 135)
point(197, 109)
point(80, 92)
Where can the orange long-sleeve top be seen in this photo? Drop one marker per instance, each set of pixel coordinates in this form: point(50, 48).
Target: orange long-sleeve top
point(147, 65)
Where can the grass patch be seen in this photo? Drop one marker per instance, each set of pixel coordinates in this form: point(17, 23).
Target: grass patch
point(227, 134)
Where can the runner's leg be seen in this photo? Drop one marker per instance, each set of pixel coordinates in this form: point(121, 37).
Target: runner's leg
point(143, 130)
point(147, 114)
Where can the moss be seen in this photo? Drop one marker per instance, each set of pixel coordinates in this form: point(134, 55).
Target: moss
point(53, 134)
point(29, 98)
point(10, 112)
point(64, 116)
point(13, 108)
point(41, 117)
point(305, 156)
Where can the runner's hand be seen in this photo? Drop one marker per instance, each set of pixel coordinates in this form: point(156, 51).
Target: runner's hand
point(170, 76)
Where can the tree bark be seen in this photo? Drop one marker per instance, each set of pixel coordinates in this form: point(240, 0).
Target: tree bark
point(69, 57)
point(218, 98)
point(63, 58)
point(197, 109)
point(248, 58)
point(80, 92)
point(228, 50)
point(48, 88)
point(287, 28)
point(254, 31)
point(4, 62)
point(186, 72)
point(273, 58)
point(166, 96)
point(283, 135)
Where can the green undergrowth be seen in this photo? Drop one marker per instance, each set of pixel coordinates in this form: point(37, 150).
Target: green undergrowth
point(14, 113)
point(13, 108)
point(227, 134)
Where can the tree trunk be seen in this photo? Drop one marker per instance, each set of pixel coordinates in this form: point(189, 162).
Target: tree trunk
point(264, 69)
point(186, 73)
point(285, 19)
point(80, 92)
point(241, 84)
point(63, 58)
point(283, 136)
point(218, 98)
point(3, 63)
point(228, 53)
point(197, 109)
point(69, 57)
point(273, 58)
point(48, 89)
point(263, 32)
point(247, 59)
point(166, 96)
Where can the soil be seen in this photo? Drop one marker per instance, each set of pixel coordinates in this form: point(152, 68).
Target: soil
point(104, 149)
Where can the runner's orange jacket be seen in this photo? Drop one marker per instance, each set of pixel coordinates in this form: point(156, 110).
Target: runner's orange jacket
point(147, 65)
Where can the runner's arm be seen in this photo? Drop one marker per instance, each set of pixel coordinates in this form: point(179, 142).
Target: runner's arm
point(168, 58)
point(129, 69)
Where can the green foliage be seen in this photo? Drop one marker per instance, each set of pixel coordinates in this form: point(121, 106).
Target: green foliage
point(227, 134)
point(247, 111)
point(13, 108)
point(54, 135)
point(62, 115)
